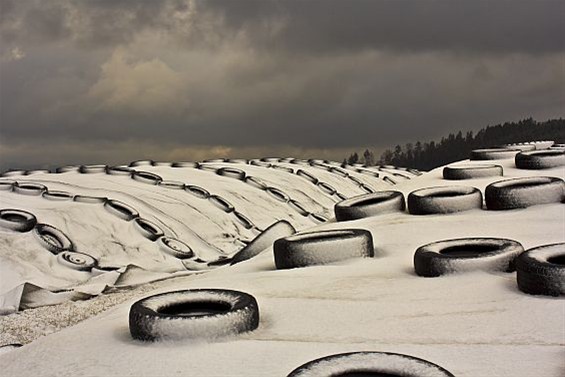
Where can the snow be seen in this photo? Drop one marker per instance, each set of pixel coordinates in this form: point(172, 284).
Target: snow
point(472, 324)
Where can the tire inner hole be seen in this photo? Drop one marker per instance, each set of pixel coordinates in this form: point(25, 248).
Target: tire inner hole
point(14, 217)
point(559, 259)
point(196, 308)
point(468, 251)
point(363, 373)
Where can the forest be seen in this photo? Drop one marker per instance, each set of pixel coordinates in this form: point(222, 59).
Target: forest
point(455, 147)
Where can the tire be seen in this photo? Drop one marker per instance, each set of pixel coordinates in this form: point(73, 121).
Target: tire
point(243, 220)
point(146, 177)
point(356, 180)
point(141, 163)
point(317, 218)
point(341, 196)
point(368, 172)
point(283, 168)
point(327, 188)
point(121, 209)
point(524, 192)
point(521, 146)
point(389, 180)
point(264, 240)
point(92, 169)
point(466, 254)
point(544, 159)
point(237, 161)
point(271, 159)
point(322, 247)
point(493, 154)
point(52, 238)
point(259, 163)
point(119, 170)
point(339, 171)
point(278, 194)
point(29, 188)
point(13, 173)
point(306, 175)
point(368, 205)
point(193, 314)
point(90, 199)
point(221, 203)
point(541, 270)
point(205, 167)
point(214, 161)
point(445, 199)
point(367, 188)
point(38, 171)
point(148, 229)
point(66, 169)
point(256, 182)
point(367, 364)
point(184, 164)
point(298, 161)
point(415, 172)
point(165, 164)
point(297, 206)
point(472, 171)
point(77, 261)
point(17, 220)
point(175, 247)
point(173, 185)
point(231, 173)
point(557, 146)
point(197, 191)
point(7, 185)
point(57, 195)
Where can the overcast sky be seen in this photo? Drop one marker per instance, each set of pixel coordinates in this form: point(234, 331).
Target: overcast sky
point(114, 81)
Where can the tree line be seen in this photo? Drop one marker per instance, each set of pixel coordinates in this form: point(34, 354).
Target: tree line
point(455, 147)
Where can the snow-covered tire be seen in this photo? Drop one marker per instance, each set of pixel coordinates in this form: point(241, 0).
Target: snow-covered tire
point(76, 261)
point(193, 314)
point(541, 270)
point(57, 195)
point(278, 194)
point(214, 161)
point(92, 169)
point(231, 173)
point(141, 163)
point(271, 159)
point(197, 191)
point(119, 170)
point(317, 218)
point(304, 174)
point(521, 146)
point(90, 199)
point(146, 177)
point(184, 164)
point(341, 196)
point(383, 364)
point(298, 207)
point(444, 199)
point(264, 240)
point(237, 161)
point(17, 220)
point(367, 205)
point(321, 247)
point(121, 210)
point(544, 159)
point(7, 185)
point(175, 247)
point(368, 189)
point(148, 229)
point(471, 171)
point(416, 172)
point(557, 147)
point(466, 254)
point(259, 163)
point(37, 171)
point(173, 185)
point(327, 188)
point(221, 203)
point(52, 238)
point(165, 164)
point(13, 173)
point(356, 180)
point(298, 161)
point(256, 182)
point(369, 172)
point(339, 171)
point(67, 169)
point(283, 168)
point(29, 188)
point(493, 154)
point(243, 220)
point(524, 192)
point(389, 180)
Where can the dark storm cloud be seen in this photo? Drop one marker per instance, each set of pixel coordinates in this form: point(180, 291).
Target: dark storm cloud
point(231, 77)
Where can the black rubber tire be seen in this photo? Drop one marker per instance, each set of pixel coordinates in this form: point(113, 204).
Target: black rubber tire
point(524, 192)
point(184, 164)
point(146, 177)
point(444, 199)
point(327, 188)
point(67, 169)
point(299, 207)
point(7, 185)
point(541, 270)
point(365, 364)
point(264, 240)
point(197, 191)
point(119, 170)
point(77, 261)
point(368, 205)
point(175, 247)
point(544, 159)
point(493, 154)
point(256, 182)
point(92, 169)
point(221, 203)
point(231, 173)
point(278, 194)
point(173, 185)
point(322, 247)
point(148, 229)
point(29, 188)
point(90, 199)
point(472, 171)
point(243, 220)
point(141, 163)
point(17, 220)
point(121, 209)
point(57, 195)
point(193, 314)
point(304, 174)
point(466, 254)
point(52, 238)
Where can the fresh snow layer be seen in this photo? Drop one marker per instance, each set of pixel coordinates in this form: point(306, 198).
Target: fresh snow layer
point(472, 324)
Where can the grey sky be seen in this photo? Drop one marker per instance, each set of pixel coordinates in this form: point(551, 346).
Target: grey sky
point(112, 81)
